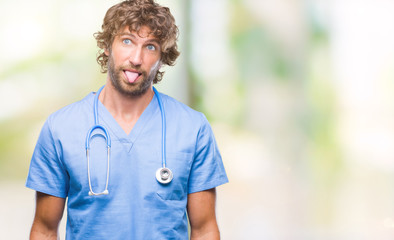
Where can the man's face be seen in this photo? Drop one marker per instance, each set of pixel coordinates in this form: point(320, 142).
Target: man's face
point(134, 60)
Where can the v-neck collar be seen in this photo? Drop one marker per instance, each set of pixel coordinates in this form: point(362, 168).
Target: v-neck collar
point(117, 133)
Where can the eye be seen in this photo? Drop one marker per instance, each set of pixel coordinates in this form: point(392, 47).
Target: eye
point(127, 41)
point(151, 47)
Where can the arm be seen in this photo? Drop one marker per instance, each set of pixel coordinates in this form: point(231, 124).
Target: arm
point(201, 212)
point(49, 212)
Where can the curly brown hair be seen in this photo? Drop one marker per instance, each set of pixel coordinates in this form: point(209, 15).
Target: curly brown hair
point(135, 14)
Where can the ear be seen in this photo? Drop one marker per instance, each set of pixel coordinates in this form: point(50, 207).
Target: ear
point(106, 52)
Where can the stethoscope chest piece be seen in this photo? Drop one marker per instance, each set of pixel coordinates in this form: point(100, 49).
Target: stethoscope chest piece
point(164, 175)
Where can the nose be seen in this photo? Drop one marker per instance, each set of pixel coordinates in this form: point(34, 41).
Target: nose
point(136, 56)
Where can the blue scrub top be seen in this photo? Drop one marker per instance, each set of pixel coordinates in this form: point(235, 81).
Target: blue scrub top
point(137, 206)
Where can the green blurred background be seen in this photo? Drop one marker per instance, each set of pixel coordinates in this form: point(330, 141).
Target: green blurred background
point(299, 94)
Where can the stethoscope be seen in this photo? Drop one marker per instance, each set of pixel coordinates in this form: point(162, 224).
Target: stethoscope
point(163, 175)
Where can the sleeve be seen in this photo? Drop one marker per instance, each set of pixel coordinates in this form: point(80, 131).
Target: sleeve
point(47, 173)
point(207, 169)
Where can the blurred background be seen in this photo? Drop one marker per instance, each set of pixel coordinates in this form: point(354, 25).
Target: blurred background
point(299, 94)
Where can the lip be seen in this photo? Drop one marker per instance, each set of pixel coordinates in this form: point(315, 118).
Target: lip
point(132, 70)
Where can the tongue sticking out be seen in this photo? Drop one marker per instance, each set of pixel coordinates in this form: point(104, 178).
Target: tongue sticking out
point(131, 76)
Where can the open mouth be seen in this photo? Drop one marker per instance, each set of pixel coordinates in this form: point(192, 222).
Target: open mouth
point(132, 76)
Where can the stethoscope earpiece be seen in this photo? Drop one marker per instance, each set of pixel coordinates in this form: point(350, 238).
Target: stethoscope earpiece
point(105, 192)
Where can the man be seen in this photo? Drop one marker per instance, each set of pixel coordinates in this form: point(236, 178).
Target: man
point(108, 175)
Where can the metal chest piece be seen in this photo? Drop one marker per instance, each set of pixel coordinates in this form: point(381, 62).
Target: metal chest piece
point(164, 175)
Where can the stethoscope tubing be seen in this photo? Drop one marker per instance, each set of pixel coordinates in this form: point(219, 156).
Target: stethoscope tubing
point(87, 145)
point(163, 129)
point(163, 174)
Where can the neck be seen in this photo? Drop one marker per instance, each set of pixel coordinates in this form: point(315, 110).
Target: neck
point(126, 110)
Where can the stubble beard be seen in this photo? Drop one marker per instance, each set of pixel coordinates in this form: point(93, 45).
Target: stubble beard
point(130, 89)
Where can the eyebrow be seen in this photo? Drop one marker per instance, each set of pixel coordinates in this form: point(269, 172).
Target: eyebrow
point(152, 40)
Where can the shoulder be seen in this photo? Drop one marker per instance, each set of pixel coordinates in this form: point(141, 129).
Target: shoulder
point(181, 111)
point(71, 113)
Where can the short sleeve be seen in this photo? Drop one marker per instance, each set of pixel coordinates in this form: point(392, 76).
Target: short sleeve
point(207, 169)
point(47, 173)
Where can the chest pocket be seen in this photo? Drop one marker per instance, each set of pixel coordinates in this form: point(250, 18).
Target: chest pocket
point(180, 164)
